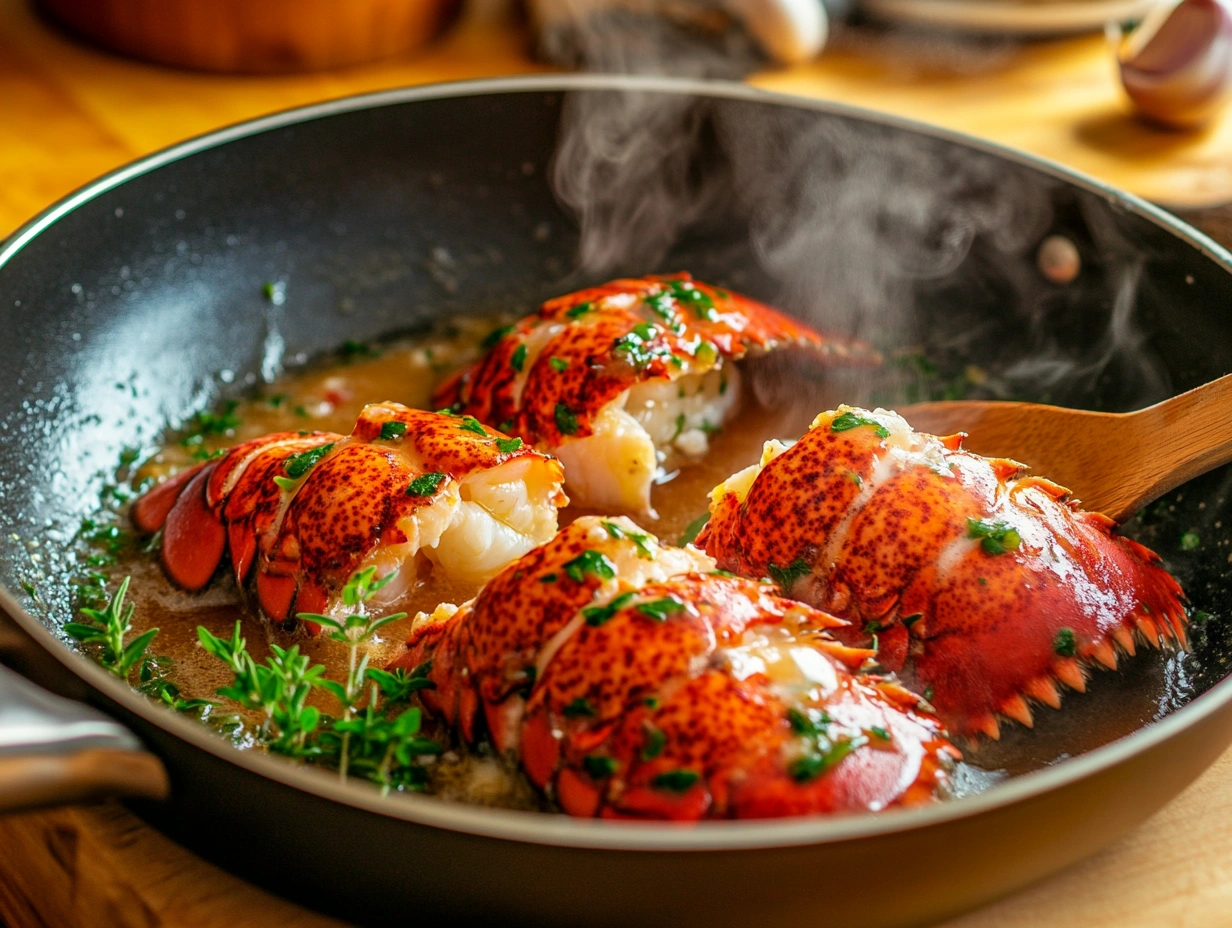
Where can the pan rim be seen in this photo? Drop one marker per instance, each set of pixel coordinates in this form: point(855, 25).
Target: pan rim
point(560, 830)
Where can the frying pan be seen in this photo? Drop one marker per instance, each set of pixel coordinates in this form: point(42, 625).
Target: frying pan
point(137, 300)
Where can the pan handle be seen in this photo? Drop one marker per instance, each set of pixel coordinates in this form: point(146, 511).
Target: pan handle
point(54, 751)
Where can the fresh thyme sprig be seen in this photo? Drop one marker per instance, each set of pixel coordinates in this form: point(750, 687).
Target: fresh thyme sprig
point(106, 628)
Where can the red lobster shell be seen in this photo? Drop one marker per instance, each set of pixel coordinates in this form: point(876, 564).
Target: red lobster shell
point(564, 376)
point(989, 586)
point(631, 681)
point(305, 511)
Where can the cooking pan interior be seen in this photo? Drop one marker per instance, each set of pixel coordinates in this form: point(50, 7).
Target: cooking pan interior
point(144, 303)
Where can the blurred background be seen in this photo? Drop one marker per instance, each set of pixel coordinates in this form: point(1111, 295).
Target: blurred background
point(1130, 91)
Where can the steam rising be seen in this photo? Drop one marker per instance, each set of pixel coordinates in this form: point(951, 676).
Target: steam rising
point(858, 227)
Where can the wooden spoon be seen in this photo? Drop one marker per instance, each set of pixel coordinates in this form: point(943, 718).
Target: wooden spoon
point(1115, 463)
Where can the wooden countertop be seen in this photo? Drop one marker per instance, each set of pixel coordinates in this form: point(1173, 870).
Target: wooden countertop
point(69, 113)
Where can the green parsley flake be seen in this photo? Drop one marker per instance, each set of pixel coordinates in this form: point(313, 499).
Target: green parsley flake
point(686, 294)
point(660, 609)
point(518, 359)
point(548, 578)
point(693, 530)
point(1065, 644)
point(299, 464)
point(492, 339)
point(995, 537)
point(640, 539)
point(879, 733)
point(1190, 541)
point(807, 721)
point(598, 767)
point(598, 615)
point(579, 708)
point(849, 420)
point(566, 420)
point(471, 424)
point(786, 577)
point(580, 310)
point(560, 365)
point(425, 484)
point(812, 765)
point(675, 781)
point(508, 445)
point(654, 744)
point(910, 620)
point(285, 483)
point(591, 562)
point(392, 431)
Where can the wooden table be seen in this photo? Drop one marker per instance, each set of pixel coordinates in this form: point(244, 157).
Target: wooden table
point(69, 113)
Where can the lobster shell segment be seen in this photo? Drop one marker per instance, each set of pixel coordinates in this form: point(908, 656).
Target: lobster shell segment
point(301, 512)
point(571, 372)
point(990, 587)
point(629, 680)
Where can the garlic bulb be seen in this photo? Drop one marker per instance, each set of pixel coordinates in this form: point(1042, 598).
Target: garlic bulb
point(1176, 65)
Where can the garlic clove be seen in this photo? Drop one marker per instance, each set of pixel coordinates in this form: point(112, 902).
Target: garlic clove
point(1177, 65)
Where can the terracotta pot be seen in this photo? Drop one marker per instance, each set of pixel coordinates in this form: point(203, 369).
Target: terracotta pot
point(256, 36)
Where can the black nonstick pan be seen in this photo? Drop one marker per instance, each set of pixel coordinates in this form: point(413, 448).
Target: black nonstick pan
point(136, 301)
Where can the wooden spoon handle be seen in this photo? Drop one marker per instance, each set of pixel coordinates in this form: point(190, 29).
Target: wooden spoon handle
point(1172, 442)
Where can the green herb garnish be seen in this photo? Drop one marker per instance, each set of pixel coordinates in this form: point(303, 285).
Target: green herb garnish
point(299, 464)
point(592, 562)
point(471, 424)
point(566, 420)
point(995, 537)
point(580, 310)
point(579, 708)
point(660, 609)
point(425, 484)
point(392, 431)
point(518, 359)
point(655, 741)
point(560, 365)
point(675, 781)
point(693, 529)
point(1065, 644)
point(598, 615)
point(786, 577)
point(849, 420)
point(598, 766)
point(508, 445)
point(106, 629)
point(1190, 541)
point(493, 338)
point(640, 539)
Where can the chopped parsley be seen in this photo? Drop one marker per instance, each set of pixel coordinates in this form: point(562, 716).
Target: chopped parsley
point(425, 484)
point(591, 562)
point(879, 733)
point(654, 744)
point(598, 615)
point(508, 445)
point(598, 766)
point(995, 537)
point(1190, 541)
point(849, 420)
point(471, 424)
point(694, 529)
point(392, 431)
point(548, 578)
point(560, 365)
point(637, 344)
point(492, 339)
point(285, 483)
point(299, 464)
point(579, 708)
point(660, 609)
point(910, 620)
point(686, 294)
point(675, 781)
point(786, 577)
point(1065, 644)
point(566, 420)
point(204, 424)
point(580, 310)
point(640, 539)
point(826, 755)
point(807, 721)
point(518, 359)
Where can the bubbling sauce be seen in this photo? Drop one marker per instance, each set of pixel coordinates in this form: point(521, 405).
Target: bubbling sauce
point(330, 397)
